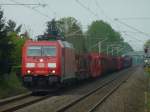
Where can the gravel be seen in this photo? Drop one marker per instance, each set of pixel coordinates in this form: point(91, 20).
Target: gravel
point(130, 97)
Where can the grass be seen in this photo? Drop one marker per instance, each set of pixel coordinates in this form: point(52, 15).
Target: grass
point(148, 102)
point(10, 86)
point(147, 97)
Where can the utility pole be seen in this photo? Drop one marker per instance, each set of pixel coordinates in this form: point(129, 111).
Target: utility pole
point(113, 48)
point(100, 45)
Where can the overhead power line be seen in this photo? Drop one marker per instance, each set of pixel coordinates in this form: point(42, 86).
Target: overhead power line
point(43, 5)
point(87, 8)
point(135, 18)
point(132, 37)
point(99, 5)
point(49, 7)
point(101, 9)
point(131, 27)
point(27, 6)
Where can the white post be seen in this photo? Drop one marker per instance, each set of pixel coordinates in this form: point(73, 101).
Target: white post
point(99, 47)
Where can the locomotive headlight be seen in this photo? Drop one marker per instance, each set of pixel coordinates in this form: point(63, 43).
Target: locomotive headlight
point(30, 65)
point(52, 65)
point(28, 71)
point(53, 71)
point(41, 60)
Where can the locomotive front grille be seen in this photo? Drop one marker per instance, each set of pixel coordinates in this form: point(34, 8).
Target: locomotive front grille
point(41, 65)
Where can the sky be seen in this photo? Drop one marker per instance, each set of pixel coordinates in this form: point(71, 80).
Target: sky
point(133, 17)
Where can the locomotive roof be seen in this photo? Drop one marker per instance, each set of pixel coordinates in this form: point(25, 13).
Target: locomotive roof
point(40, 42)
point(45, 42)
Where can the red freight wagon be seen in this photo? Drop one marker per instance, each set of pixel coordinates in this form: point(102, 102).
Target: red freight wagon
point(120, 63)
point(105, 65)
point(114, 64)
point(82, 66)
point(94, 64)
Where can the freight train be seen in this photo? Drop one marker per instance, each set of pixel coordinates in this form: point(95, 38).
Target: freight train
point(49, 64)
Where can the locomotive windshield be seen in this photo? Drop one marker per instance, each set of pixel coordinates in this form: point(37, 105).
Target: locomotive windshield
point(49, 51)
point(34, 51)
point(41, 51)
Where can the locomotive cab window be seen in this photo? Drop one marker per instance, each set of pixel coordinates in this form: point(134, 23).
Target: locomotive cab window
point(49, 51)
point(34, 51)
point(41, 51)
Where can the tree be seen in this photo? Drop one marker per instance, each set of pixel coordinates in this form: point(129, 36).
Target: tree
point(52, 31)
point(147, 43)
point(52, 28)
point(70, 28)
point(12, 27)
point(6, 47)
point(67, 28)
point(18, 42)
point(25, 35)
point(10, 44)
point(100, 31)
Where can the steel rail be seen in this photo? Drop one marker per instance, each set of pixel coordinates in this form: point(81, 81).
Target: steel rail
point(14, 98)
point(64, 108)
point(21, 102)
point(103, 99)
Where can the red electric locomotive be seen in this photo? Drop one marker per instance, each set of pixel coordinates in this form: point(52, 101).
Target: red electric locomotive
point(47, 63)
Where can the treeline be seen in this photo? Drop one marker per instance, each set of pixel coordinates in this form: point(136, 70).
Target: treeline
point(147, 43)
point(11, 41)
point(10, 44)
point(100, 36)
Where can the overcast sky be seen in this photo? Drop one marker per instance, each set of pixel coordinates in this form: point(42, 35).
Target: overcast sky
point(135, 13)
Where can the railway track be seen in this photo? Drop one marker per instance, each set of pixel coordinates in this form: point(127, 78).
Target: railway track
point(15, 103)
point(10, 99)
point(94, 98)
point(22, 101)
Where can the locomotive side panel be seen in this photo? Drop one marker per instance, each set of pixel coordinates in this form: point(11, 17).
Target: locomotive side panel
point(68, 62)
